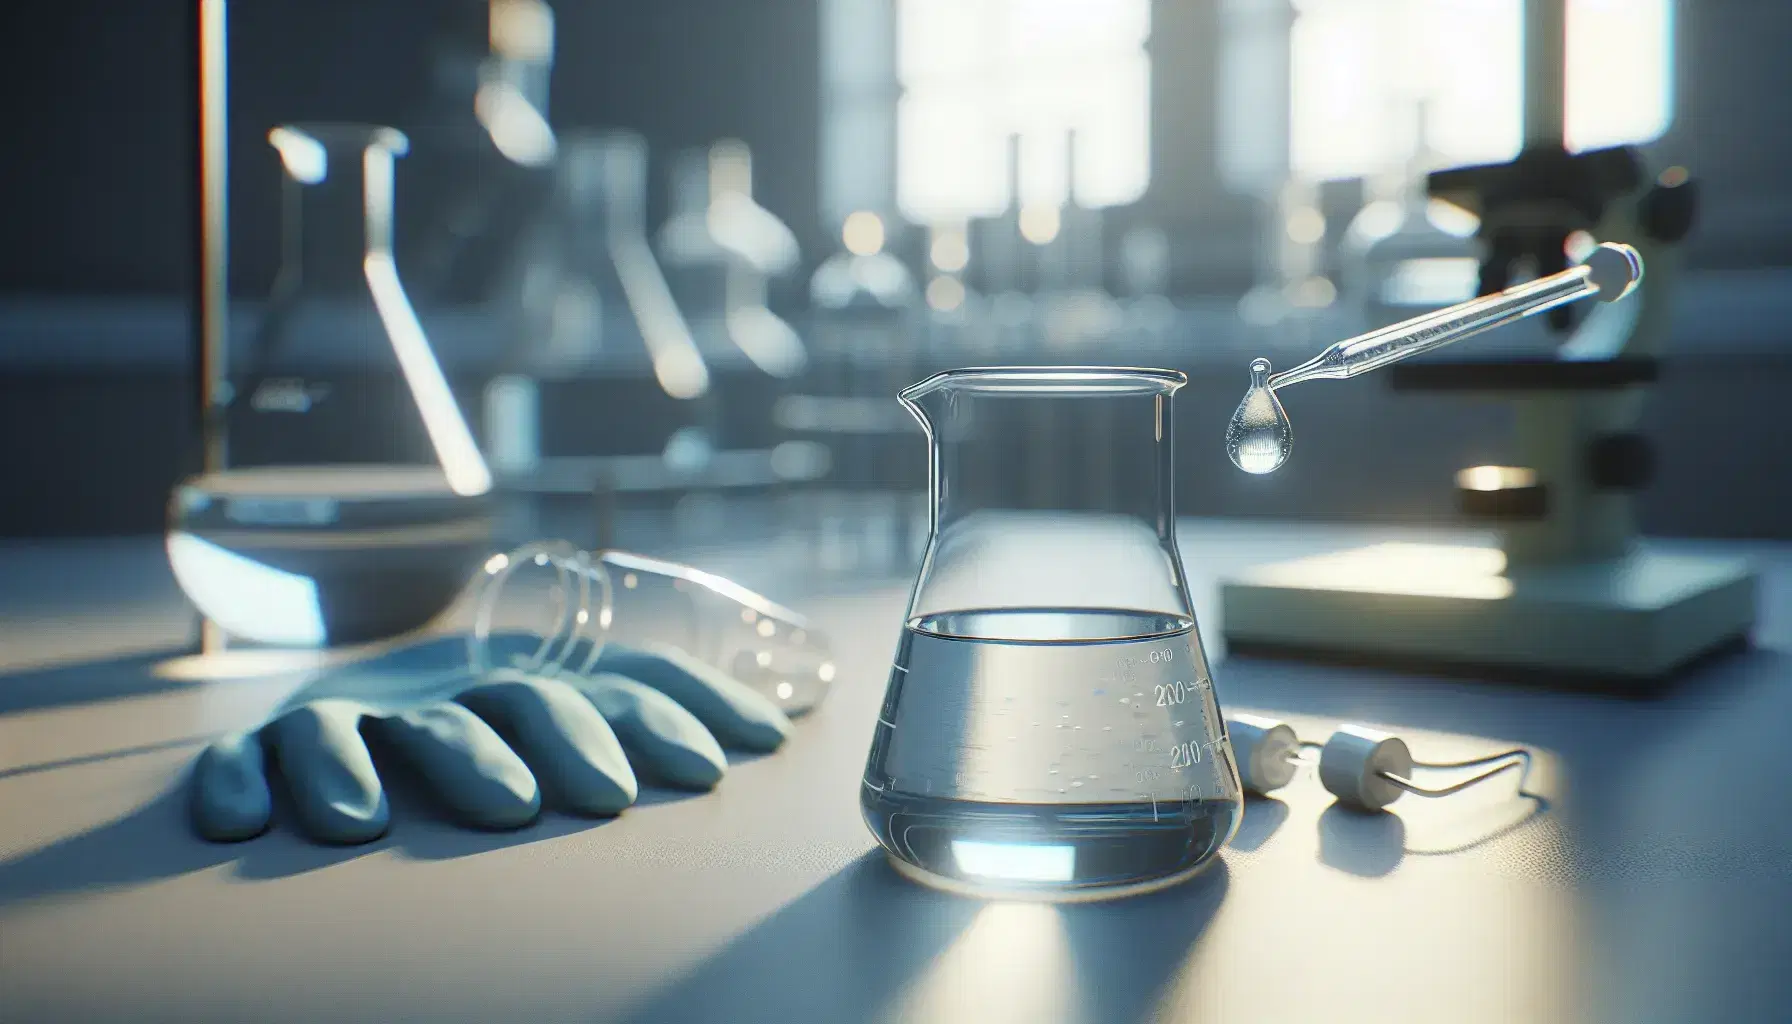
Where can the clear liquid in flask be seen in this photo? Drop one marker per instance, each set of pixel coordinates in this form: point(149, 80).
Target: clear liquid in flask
point(1083, 752)
point(1259, 438)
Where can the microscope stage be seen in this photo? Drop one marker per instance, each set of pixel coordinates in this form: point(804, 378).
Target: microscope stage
point(1631, 620)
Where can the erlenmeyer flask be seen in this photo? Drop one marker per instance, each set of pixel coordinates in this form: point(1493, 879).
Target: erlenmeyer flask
point(485, 147)
point(696, 265)
point(722, 249)
point(1050, 725)
point(338, 309)
point(325, 523)
point(590, 286)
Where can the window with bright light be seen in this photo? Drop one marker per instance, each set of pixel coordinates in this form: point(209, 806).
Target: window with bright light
point(1359, 67)
point(974, 72)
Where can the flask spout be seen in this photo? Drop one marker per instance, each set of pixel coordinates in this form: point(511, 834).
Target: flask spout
point(917, 399)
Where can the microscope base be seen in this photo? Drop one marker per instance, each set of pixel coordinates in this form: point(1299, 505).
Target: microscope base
point(1627, 624)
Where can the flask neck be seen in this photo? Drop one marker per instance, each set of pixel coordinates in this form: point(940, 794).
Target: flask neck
point(334, 222)
point(690, 183)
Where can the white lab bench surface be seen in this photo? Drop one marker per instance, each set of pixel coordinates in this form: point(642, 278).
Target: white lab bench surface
point(1653, 884)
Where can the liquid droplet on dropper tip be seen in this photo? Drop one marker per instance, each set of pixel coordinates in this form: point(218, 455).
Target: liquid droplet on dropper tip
point(1259, 438)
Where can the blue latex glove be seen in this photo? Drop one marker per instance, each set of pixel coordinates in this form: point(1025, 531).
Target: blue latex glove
point(490, 748)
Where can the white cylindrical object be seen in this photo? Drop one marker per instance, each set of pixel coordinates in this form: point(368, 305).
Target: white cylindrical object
point(1352, 763)
point(1265, 750)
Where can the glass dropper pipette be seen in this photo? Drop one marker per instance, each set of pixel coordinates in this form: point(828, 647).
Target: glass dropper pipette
point(1608, 274)
point(1259, 438)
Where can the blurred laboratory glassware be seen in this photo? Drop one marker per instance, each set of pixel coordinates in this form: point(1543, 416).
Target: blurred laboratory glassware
point(1404, 251)
point(1076, 307)
point(865, 277)
point(949, 296)
point(336, 304)
point(722, 249)
point(577, 601)
point(696, 264)
point(211, 311)
point(1145, 272)
point(1050, 725)
point(866, 320)
point(588, 286)
point(512, 102)
point(1259, 436)
point(338, 517)
point(1291, 292)
point(487, 146)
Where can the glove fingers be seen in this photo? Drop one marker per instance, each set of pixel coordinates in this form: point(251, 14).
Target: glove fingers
point(466, 765)
point(571, 749)
point(335, 791)
point(664, 739)
point(730, 709)
point(228, 794)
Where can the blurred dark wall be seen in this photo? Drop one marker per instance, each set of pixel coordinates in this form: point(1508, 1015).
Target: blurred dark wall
point(95, 168)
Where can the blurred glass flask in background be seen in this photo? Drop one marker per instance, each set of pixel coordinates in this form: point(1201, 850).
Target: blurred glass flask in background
point(588, 286)
point(485, 148)
point(337, 303)
point(1404, 251)
point(327, 523)
point(1050, 726)
point(865, 278)
point(722, 249)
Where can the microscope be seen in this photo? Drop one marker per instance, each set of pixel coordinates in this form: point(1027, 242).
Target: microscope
point(1569, 595)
